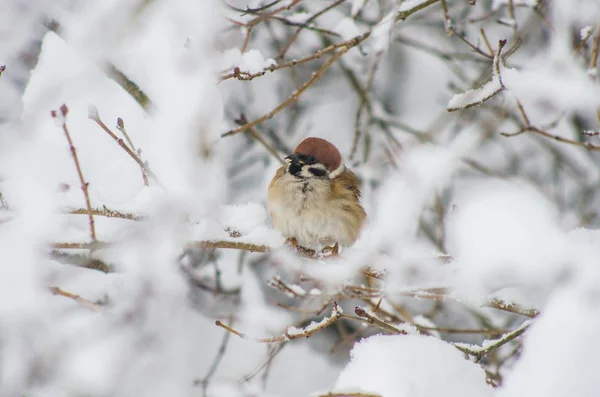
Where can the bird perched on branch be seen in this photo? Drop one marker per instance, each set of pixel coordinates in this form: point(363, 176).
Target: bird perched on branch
point(314, 200)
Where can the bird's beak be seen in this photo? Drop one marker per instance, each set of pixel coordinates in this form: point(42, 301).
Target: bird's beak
point(293, 159)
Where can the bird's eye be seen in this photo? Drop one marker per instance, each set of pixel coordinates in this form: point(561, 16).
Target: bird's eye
point(317, 171)
point(312, 159)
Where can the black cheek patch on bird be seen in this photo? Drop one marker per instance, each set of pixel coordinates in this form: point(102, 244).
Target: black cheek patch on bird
point(317, 171)
point(294, 169)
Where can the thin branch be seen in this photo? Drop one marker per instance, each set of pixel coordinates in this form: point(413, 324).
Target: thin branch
point(215, 364)
point(595, 50)
point(294, 96)
point(107, 212)
point(240, 75)
point(129, 86)
point(194, 244)
point(76, 298)
point(121, 127)
point(473, 46)
point(486, 41)
point(512, 307)
point(296, 33)
point(242, 120)
point(402, 15)
point(93, 115)
point(582, 42)
point(292, 332)
point(478, 352)
point(372, 319)
point(84, 185)
point(477, 96)
point(447, 20)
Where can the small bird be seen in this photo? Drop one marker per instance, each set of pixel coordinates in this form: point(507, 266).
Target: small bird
point(314, 200)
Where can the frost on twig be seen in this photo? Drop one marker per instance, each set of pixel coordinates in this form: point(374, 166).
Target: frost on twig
point(479, 95)
point(490, 345)
point(293, 332)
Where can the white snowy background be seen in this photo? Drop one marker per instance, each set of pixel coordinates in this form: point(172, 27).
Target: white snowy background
point(486, 241)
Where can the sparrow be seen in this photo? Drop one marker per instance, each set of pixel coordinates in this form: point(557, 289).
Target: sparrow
point(314, 200)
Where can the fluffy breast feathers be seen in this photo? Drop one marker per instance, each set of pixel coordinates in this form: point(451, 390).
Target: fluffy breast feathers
point(316, 211)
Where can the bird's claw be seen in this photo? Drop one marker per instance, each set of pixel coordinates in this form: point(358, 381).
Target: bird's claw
point(333, 250)
point(292, 242)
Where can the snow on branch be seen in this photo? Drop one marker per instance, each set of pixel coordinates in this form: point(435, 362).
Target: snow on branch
point(478, 352)
point(293, 332)
point(479, 95)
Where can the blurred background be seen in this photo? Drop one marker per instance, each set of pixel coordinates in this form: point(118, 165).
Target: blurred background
point(473, 126)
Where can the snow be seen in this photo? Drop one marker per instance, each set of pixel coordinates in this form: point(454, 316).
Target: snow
point(523, 230)
point(585, 32)
point(410, 4)
point(299, 17)
point(401, 366)
point(347, 29)
point(564, 349)
point(496, 4)
point(513, 230)
point(381, 35)
point(478, 95)
point(357, 6)
point(251, 61)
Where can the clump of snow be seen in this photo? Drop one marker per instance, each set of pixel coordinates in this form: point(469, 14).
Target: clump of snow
point(243, 218)
point(357, 6)
point(560, 350)
point(251, 61)
point(402, 366)
point(381, 35)
point(410, 4)
point(299, 17)
point(585, 32)
point(347, 29)
point(476, 96)
point(505, 234)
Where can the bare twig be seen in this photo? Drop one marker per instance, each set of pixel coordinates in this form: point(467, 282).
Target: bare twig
point(479, 352)
point(84, 185)
point(76, 298)
point(372, 319)
point(512, 307)
point(107, 212)
point(215, 364)
point(402, 15)
point(296, 33)
point(472, 98)
point(294, 96)
point(292, 332)
point(129, 86)
point(93, 115)
point(242, 120)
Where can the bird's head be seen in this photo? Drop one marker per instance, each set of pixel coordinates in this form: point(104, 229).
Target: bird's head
point(315, 158)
